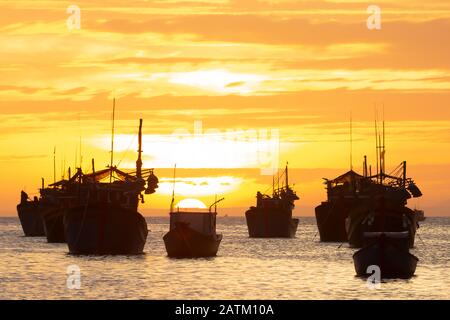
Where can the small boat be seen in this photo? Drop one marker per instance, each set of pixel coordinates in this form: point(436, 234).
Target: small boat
point(29, 216)
point(420, 215)
point(390, 252)
point(193, 234)
point(272, 216)
point(106, 221)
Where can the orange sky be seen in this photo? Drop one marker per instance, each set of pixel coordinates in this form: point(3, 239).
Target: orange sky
point(246, 69)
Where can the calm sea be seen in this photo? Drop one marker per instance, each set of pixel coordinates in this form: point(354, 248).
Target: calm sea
point(300, 268)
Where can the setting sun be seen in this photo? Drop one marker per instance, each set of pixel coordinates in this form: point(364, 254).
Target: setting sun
point(191, 204)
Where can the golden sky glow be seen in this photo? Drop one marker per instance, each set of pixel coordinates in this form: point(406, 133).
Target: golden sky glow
point(217, 84)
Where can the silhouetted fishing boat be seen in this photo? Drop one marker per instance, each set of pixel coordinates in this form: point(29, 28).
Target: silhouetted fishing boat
point(381, 201)
point(342, 194)
point(353, 204)
point(30, 217)
point(272, 216)
point(420, 215)
point(51, 205)
point(390, 252)
point(106, 220)
point(192, 234)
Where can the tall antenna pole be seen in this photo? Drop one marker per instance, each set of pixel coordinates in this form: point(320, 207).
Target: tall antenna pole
point(376, 140)
point(139, 160)
point(112, 140)
point(273, 184)
point(384, 143)
point(287, 176)
point(54, 164)
point(173, 188)
point(351, 141)
point(81, 155)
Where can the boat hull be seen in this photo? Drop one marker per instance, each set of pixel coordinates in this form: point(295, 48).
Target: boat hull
point(104, 229)
point(270, 224)
point(392, 261)
point(390, 220)
point(184, 242)
point(30, 219)
point(330, 218)
point(53, 225)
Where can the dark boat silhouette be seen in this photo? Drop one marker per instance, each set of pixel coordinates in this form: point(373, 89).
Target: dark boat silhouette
point(30, 217)
point(381, 201)
point(342, 194)
point(390, 252)
point(371, 215)
point(106, 221)
point(272, 216)
point(189, 239)
point(353, 204)
point(53, 200)
point(192, 234)
point(420, 215)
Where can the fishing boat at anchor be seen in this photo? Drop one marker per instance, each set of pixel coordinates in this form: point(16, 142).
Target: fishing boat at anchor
point(53, 200)
point(106, 221)
point(272, 216)
point(388, 251)
point(420, 215)
point(381, 201)
point(331, 214)
point(30, 217)
point(43, 216)
point(193, 234)
point(354, 205)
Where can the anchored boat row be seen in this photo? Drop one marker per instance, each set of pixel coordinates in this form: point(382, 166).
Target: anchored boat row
point(97, 213)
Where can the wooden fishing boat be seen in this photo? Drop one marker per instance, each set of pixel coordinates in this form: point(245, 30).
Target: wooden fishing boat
point(390, 252)
point(342, 194)
point(272, 216)
point(420, 215)
point(51, 205)
point(353, 204)
point(192, 234)
point(30, 218)
point(106, 221)
point(382, 207)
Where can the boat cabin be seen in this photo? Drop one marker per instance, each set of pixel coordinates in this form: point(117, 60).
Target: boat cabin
point(203, 222)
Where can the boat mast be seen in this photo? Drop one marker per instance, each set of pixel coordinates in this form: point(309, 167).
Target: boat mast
point(404, 174)
point(376, 142)
point(173, 188)
point(139, 160)
point(54, 164)
point(273, 184)
point(351, 141)
point(365, 167)
point(287, 177)
point(112, 141)
point(384, 145)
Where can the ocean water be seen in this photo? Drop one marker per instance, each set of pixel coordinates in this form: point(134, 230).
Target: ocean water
point(300, 268)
